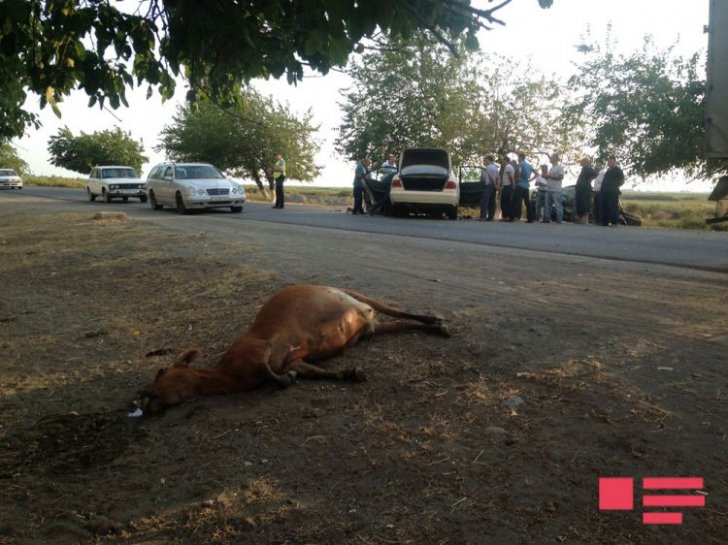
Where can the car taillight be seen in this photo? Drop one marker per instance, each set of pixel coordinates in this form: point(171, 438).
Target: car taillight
point(397, 184)
point(451, 185)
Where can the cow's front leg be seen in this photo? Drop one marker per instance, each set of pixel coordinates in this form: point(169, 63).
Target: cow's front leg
point(307, 370)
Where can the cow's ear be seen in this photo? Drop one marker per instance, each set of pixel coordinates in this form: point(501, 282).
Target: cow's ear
point(159, 374)
point(186, 357)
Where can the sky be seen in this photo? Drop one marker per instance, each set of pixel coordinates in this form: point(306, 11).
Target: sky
point(546, 37)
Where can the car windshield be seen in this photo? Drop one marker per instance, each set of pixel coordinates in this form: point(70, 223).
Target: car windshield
point(118, 173)
point(196, 172)
point(7, 172)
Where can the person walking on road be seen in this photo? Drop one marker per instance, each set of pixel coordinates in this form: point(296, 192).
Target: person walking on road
point(279, 175)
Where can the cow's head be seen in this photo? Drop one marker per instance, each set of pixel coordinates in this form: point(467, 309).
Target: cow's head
point(172, 386)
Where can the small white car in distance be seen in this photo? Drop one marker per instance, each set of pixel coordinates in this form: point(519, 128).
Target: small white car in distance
point(114, 182)
point(9, 179)
point(192, 186)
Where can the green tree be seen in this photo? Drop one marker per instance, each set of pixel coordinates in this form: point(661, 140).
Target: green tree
point(50, 47)
point(646, 107)
point(81, 153)
point(243, 138)
point(9, 159)
point(407, 93)
point(415, 93)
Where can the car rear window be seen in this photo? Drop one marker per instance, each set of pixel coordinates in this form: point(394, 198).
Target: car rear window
point(425, 156)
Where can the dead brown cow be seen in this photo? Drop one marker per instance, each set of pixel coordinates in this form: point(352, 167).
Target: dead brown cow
point(296, 326)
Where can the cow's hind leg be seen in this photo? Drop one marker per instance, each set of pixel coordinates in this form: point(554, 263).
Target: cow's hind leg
point(396, 327)
point(307, 370)
point(389, 310)
point(283, 380)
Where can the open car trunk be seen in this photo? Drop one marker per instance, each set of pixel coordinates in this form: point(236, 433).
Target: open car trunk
point(424, 169)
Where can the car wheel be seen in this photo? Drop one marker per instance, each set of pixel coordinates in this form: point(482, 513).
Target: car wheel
point(181, 208)
point(91, 196)
point(125, 199)
point(105, 195)
point(236, 209)
point(452, 212)
point(143, 198)
point(153, 201)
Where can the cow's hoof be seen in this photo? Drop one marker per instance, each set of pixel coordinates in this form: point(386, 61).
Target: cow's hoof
point(292, 376)
point(444, 330)
point(358, 375)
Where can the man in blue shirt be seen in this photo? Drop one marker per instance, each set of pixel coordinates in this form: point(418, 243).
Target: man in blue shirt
point(520, 193)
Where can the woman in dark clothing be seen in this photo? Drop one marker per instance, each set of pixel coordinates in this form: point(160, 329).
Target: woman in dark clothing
point(584, 191)
point(609, 193)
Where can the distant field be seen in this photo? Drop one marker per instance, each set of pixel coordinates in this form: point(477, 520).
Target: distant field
point(54, 181)
point(673, 210)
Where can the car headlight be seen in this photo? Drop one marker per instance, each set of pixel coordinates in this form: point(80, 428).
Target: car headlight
point(113, 186)
point(237, 190)
point(195, 192)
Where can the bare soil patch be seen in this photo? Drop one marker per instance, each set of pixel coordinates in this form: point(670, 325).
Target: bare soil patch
point(621, 373)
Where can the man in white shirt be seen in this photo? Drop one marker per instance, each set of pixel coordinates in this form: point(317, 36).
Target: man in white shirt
point(489, 176)
point(554, 177)
point(508, 182)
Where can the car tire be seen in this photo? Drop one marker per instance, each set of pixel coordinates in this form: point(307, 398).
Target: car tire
point(105, 195)
point(153, 201)
point(452, 212)
point(91, 196)
point(143, 199)
point(125, 199)
point(181, 208)
point(236, 209)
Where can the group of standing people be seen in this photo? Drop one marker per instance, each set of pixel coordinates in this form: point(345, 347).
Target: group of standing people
point(513, 180)
point(604, 195)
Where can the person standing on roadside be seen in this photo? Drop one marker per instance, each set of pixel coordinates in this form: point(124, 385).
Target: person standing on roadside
point(609, 193)
point(583, 196)
point(508, 182)
point(387, 172)
point(597, 208)
point(541, 184)
point(360, 173)
point(524, 171)
point(553, 191)
point(489, 176)
point(279, 175)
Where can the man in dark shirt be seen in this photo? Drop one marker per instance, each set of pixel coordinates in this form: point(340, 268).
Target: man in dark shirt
point(613, 180)
point(584, 191)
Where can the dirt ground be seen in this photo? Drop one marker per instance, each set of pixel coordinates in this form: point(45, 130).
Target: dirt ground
point(560, 371)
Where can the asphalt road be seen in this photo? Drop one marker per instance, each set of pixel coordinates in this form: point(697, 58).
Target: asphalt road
point(692, 249)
